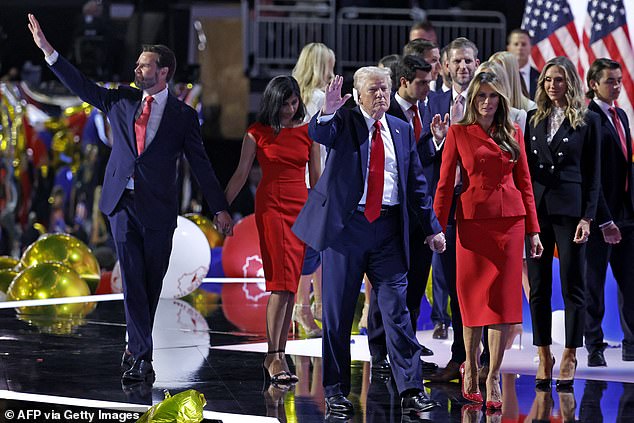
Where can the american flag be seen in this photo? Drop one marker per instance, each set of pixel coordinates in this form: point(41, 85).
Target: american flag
point(552, 29)
point(605, 34)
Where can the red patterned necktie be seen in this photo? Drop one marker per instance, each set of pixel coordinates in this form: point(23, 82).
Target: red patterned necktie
point(619, 130)
point(457, 110)
point(418, 128)
point(140, 125)
point(374, 195)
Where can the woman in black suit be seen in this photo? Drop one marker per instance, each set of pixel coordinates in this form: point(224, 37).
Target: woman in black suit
point(562, 139)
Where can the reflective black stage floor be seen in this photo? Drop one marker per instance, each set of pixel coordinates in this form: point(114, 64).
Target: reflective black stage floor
point(211, 343)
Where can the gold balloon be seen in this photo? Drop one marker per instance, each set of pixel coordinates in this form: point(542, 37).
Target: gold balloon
point(51, 324)
point(49, 280)
point(214, 238)
point(7, 262)
point(65, 249)
point(6, 277)
point(203, 301)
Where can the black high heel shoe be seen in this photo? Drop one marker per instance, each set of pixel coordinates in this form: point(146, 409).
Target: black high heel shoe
point(280, 378)
point(566, 385)
point(545, 384)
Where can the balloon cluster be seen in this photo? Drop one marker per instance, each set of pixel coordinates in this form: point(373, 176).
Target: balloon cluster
point(54, 266)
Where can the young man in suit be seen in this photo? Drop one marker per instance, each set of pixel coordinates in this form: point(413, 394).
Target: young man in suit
point(358, 215)
point(518, 42)
point(151, 131)
point(612, 236)
point(442, 109)
point(413, 75)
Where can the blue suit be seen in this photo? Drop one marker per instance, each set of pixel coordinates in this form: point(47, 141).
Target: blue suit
point(418, 272)
point(351, 246)
point(143, 222)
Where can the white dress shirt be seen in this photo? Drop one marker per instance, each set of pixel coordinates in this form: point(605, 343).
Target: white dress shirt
point(390, 172)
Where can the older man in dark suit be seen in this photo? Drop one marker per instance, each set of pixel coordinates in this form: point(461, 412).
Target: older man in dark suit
point(413, 75)
point(358, 215)
point(151, 131)
point(612, 236)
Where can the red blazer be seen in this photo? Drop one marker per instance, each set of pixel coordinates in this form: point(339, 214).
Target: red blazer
point(492, 185)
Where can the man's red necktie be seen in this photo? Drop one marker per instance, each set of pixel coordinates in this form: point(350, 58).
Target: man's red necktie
point(418, 128)
point(374, 195)
point(140, 125)
point(619, 130)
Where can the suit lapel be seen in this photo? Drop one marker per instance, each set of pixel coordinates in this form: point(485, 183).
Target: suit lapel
point(561, 136)
point(539, 143)
point(399, 151)
point(167, 112)
point(131, 119)
point(361, 138)
point(605, 122)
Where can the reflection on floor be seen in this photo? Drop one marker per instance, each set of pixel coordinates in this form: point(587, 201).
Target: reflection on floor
point(213, 342)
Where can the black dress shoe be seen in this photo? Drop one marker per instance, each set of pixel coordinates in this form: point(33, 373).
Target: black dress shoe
point(449, 373)
point(339, 404)
point(440, 331)
point(428, 367)
point(381, 365)
point(426, 351)
point(596, 359)
point(417, 403)
point(127, 361)
point(141, 371)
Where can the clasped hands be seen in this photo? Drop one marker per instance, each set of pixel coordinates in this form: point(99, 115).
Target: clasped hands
point(436, 242)
point(224, 223)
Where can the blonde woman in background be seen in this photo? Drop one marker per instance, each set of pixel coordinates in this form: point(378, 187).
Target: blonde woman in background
point(313, 71)
point(508, 61)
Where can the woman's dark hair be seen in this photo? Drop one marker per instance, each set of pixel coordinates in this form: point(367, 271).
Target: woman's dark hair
point(277, 91)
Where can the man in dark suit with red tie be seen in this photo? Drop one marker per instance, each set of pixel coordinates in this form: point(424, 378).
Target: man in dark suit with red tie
point(358, 215)
point(151, 130)
point(414, 76)
point(612, 235)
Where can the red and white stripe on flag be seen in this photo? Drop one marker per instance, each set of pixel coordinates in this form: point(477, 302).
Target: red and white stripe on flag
point(605, 34)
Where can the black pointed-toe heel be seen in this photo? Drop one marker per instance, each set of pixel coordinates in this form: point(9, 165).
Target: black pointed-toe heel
point(544, 385)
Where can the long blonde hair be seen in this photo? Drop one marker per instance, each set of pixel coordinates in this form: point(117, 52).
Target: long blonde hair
point(508, 61)
point(502, 130)
point(312, 70)
point(576, 108)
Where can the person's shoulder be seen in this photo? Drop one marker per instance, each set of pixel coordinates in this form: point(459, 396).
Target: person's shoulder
point(591, 116)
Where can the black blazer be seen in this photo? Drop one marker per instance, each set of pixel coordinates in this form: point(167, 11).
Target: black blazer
point(614, 203)
point(533, 77)
point(566, 173)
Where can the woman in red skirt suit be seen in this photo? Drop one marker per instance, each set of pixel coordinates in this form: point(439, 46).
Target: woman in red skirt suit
point(282, 146)
point(495, 212)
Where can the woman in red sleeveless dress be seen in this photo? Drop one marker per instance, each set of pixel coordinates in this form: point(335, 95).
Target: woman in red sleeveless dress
point(281, 144)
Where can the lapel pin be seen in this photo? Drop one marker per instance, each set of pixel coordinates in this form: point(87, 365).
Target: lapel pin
point(397, 131)
point(565, 140)
point(534, 137)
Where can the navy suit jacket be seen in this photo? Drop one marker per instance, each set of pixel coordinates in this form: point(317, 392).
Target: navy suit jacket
point(533, 78)
point(437, 103)
point(336, 196)
point(155, 170)
point(614, 202)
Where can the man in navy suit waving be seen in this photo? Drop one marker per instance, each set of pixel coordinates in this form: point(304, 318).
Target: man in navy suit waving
point(151, 131)
point(358, 215)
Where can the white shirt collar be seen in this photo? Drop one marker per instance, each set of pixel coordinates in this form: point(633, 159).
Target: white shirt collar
point(405, 105)
point(369, 120)
point(159, 97)
point(526, 69)
point(604, 106)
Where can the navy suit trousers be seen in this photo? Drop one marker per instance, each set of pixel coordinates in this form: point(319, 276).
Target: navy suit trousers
point(377, 250)
point(144, 257)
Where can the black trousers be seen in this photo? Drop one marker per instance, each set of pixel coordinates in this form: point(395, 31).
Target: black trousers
point(560, 231)
point(621, 259)
point(144, 255)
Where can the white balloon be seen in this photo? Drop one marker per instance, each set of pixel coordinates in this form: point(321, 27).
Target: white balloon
point(189, 261)
point(181, 343)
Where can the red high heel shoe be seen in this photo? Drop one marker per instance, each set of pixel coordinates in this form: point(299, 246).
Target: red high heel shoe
point(473, 397)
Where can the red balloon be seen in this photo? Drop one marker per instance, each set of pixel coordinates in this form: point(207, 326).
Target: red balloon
point(244, 304)
point(104, 283)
